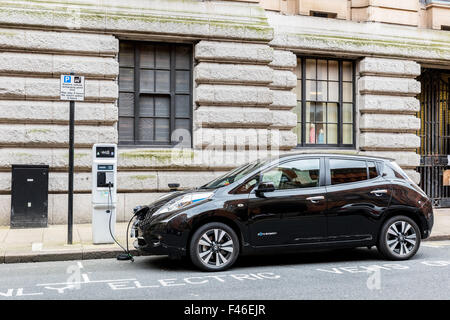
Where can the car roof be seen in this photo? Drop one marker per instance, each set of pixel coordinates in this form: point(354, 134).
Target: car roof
point(326, 154)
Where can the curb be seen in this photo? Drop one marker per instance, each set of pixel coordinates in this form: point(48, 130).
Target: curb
point(438, 237)
point(66, 255)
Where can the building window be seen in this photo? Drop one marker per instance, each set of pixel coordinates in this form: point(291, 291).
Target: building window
point(325, 102)
point(155, 93)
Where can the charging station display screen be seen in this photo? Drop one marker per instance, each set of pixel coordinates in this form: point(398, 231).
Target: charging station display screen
point(104, 152)
point(105, 167)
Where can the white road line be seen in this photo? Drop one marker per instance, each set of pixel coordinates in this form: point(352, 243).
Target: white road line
point(90, 281)
point(85, 278)
point(80, 265)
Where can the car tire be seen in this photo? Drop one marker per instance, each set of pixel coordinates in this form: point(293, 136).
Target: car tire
point(399, 238)
point(214, 247)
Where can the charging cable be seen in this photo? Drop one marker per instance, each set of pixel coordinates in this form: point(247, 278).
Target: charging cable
point(126, 255)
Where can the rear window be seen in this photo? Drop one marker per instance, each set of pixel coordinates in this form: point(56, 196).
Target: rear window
point(372, 169)
point(346, 171)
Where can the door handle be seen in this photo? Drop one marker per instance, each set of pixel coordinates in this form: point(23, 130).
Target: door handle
point(315, 199)
point(379, 192)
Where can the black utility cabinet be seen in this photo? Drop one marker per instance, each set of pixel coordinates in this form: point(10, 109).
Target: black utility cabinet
point(29, 196)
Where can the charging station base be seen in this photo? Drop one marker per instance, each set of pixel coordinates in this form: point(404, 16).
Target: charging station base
point(101, 225)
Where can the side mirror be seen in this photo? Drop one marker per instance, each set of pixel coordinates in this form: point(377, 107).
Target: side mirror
point(264, 187)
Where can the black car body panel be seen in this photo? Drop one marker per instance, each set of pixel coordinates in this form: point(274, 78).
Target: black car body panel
point(327, 215)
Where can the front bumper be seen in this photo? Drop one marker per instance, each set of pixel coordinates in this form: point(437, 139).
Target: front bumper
point(158, 238)
point(158, 248)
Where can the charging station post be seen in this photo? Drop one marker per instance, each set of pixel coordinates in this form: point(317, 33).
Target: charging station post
point(104, 192)
point(71, 89)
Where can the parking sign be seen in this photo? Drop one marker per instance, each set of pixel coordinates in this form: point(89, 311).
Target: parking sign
point(72, 88)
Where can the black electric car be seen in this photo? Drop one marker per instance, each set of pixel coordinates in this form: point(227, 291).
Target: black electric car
point(294, 202)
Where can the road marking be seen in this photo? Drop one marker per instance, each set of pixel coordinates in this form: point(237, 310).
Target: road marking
point(81, 282)
point(364, 269)
point(80, 265)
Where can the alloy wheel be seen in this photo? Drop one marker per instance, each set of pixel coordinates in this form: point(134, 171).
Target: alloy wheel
point(401, 238)
point(215, 247)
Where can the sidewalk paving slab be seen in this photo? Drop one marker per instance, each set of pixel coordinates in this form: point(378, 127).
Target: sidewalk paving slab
point(3, 233)
point(441, 228)
point(24, 236)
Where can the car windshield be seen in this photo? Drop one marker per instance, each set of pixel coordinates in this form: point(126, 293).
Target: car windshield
point(234, 175)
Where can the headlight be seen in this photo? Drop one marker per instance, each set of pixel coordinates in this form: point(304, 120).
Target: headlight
point(183, 201)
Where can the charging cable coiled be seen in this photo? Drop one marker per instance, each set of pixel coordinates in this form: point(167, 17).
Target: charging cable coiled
point(126, 255)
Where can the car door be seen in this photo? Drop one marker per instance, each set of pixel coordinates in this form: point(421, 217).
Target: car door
point(357, 197)
point(294, 213)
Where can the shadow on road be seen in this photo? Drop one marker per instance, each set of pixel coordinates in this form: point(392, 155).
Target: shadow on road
point(291, 259)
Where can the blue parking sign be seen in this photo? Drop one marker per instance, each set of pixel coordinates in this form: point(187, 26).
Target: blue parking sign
point(71, 88)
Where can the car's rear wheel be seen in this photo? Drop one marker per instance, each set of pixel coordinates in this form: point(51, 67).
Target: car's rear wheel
point(214, 247)
point(399, 238)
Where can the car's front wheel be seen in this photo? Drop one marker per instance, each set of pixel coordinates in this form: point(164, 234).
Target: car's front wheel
point(214, 247)
point(399, 238)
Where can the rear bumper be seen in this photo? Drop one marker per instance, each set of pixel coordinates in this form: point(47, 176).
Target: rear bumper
point(430, 222)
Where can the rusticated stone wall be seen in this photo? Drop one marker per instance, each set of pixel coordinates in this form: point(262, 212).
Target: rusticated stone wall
point(243, 99)
point(40, 41)
point(388, 107)
point(34, 122)
point(243, 89)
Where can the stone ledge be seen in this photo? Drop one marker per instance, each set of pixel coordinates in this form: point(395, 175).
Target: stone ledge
point(233, 52)
point(48, 89)
point(402, 68)
point(403, 159)
point(232, 117)
point(54, 135)
point(350, 38)
point(283, 79)
point(283, 119)
point(243, 139)
point(232, 95)
point(388, 141)
point(58, 42)
point(55, 158)
point(283, 60)
point(388, 104)
point(28, 111)
point(211, 73)
point(54, 65)
point(191, 19)
point(388, 86)
point(283, 100)
point(134, 159)
point(389, 123)
point(128, 181)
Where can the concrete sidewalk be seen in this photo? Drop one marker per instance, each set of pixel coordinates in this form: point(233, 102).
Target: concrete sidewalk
point(49, 244)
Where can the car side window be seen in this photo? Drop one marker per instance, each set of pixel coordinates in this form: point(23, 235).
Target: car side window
point(247, 186)
point(373, 173)
point(296, 174)
point(346, 171)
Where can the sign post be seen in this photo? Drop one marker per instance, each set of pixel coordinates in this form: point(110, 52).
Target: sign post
point(71, 89)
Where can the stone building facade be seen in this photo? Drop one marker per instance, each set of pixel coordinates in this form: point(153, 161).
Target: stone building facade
point(190, 89)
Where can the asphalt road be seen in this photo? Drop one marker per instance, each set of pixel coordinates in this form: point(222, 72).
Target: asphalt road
point(346, 274)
